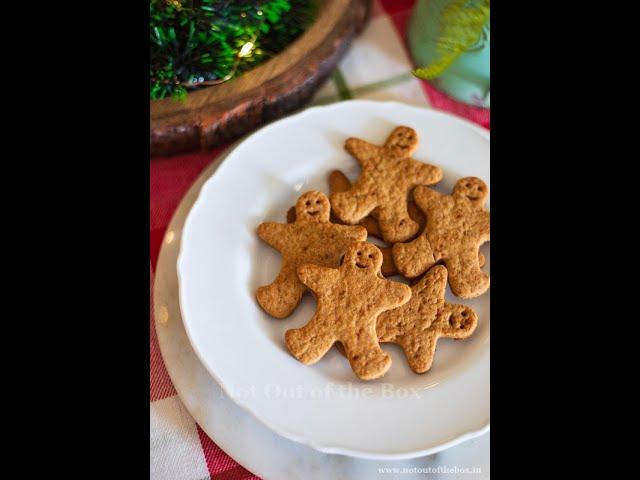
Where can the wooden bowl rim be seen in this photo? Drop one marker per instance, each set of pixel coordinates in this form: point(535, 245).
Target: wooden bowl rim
point(169, 110)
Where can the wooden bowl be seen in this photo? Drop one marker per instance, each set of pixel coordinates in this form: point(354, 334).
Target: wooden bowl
point(217, 114)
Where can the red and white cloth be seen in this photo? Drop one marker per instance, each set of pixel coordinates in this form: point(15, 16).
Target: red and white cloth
point(376, 67)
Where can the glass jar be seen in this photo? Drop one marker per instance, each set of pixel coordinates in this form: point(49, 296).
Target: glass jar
point(468, 78)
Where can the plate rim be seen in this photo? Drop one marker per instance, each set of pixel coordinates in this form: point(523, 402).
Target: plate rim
point(230, 392)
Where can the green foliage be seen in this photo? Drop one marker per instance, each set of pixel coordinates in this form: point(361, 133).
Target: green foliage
point(462, 22)
point(198, 42)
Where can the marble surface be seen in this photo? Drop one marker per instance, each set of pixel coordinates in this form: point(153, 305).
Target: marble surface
point(244, 438)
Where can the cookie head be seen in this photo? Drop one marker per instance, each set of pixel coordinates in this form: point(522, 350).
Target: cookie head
point(471, 188)
point(364, 256)
point(313, 206)
point(460, 321)
point(402, 141)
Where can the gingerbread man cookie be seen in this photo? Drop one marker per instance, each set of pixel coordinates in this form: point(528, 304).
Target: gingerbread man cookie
point(388, 267)
point(417, 325)
point(349, 298)
point(388, 175)
point(338, 182)
point(312, 238)
point(457, 225)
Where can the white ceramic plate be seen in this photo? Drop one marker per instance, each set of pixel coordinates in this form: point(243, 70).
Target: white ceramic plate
point(238, 433)
point(222, 262)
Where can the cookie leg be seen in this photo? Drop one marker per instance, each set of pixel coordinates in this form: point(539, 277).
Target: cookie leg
point(416, 214)
point(280, 298)
point(420, 351)
point(352, 206)
point(413, 258)
point(372, 227)
point(367, 359)
point(309, 343)
point(388, 267)
point(338, 182)
point(395, 224)
point(466, 278)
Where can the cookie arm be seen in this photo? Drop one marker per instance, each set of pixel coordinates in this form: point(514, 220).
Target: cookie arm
point(273, 234)
point(317, 278)
point(395, 294)
point(425, 197)
point(353, 205)
point(362, 151)
point(356, 233)
point(423, 173)
point(338, 182)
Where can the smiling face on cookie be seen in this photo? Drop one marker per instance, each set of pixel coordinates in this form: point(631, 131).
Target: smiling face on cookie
point(402, 142)
point(313, 206)
point(460, 322)
point(472, 188)
point(364, 256)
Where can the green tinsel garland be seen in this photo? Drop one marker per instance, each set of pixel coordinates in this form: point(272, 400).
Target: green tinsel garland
point(197, 43)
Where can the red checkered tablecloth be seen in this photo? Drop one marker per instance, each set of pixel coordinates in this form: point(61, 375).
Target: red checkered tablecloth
point(376, 67)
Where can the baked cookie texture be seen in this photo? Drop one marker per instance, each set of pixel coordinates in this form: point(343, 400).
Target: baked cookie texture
point(349, 300)
point(388, 174)
point(457, 225)
point(388, 267)
point(338, 182)
point(418, 324)
point(312, 238)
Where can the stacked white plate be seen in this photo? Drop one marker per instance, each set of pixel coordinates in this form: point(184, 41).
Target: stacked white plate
point(233, 344)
